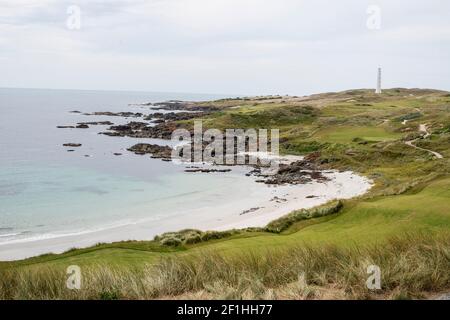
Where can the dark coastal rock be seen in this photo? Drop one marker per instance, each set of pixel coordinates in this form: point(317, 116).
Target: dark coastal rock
point(278, 200)
point(142, 130)
point(182, 105)
point(201, 170)
point(250, 210)
point(157, 151)
point(73, 145)
point(116, 114)
point(298, 172)
point(255, 172)
point(96, 123)
point(85, 125)
point(124, 130)
point(175, 116)
point(132, 126)
point(75, 111)
point(117, 154)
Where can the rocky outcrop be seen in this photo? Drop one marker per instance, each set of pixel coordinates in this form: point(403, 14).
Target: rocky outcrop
point(203, 170)
point(96, 123)
point(183, 105)
point(72, 145)
point(142, 130)
point(116, 114)
point(175, 116)
point(85, 125)
point(299, 172)
point(250, 210)
point(156, 151)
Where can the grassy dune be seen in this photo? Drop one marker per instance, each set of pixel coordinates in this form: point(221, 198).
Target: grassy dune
point(412, 267)
point(402, 225)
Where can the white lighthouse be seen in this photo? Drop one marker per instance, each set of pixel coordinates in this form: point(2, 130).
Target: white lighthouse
point(378, 91)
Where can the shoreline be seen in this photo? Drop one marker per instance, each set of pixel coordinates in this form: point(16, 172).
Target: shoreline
point(257, 211)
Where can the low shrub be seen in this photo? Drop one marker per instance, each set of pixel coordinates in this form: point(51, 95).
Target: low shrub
point(285, 222)
point(191, 236)
point(171, 241)
point(409, 117)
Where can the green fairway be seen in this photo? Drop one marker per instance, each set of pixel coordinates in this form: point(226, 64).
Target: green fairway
point(354, 130)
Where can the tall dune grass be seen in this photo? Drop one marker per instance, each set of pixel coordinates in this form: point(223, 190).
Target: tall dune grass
point(412, 266)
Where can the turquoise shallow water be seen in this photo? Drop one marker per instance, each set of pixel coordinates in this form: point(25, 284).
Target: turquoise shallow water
point(47, 192)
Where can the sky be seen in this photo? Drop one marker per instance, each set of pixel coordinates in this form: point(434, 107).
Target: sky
point(247, 47)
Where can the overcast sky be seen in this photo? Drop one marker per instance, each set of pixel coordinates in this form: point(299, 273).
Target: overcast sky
point(224, 46)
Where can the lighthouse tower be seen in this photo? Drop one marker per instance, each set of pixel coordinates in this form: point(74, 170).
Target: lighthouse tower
point(378, 91)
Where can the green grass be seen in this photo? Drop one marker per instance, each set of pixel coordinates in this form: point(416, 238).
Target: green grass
point(348, 134)
point(360, 222)
point(292, 272)
point(353, 130)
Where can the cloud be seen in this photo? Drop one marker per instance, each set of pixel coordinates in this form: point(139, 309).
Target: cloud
point(236, 46)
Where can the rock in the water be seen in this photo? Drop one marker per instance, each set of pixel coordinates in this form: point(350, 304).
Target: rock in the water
point(96, 123)
point(207, 170)
point(250, 210)
point(142, 130)
point(183, 105)
point(116, 114)
point(157, 151)
point(73, 145)
point(174, 116)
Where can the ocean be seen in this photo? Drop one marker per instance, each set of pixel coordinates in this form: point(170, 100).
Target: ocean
point(48, 192)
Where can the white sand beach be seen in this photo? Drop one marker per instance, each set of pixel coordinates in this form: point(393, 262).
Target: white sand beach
point(256, 211)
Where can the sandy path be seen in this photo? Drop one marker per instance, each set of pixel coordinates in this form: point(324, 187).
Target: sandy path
point(423, 128)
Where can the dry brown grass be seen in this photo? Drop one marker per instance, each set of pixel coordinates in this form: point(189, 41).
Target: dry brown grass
point(413, 266)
